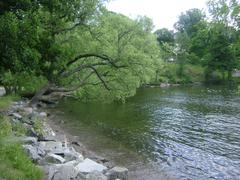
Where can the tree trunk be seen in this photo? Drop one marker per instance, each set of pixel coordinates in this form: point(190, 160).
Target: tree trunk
point(38, 95)
point(229, 75)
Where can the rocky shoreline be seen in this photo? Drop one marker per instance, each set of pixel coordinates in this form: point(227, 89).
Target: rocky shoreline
point(52, 151)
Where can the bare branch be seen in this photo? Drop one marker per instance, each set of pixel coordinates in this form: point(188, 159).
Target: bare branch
point(82, 82)
point(100, 78)
point(105, 61)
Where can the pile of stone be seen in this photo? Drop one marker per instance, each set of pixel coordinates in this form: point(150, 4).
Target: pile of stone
point(53, 153)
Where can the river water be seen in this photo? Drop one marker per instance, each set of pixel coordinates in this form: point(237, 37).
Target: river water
point(181, 132)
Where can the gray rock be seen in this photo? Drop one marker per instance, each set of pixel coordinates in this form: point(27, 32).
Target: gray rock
point(50, 145)
point(118, 173)
point(32, 152)
point(88, 166)
point(16, 115)
point(74, 163)
point(51, 159)
point(43, 114)
point(60, 172)
point(28, 110)
point(73, 156)
point(96, 176)
point(29, 140)
point(2, 91)
point(68, 154)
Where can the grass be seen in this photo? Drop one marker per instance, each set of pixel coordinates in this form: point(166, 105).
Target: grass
point(14, 163)
point(6, 101)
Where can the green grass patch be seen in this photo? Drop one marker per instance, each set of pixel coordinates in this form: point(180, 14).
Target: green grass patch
point(6, 101)
point(14, 163)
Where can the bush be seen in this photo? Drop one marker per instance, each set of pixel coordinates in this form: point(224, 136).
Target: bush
point(189, 74)
point(22, 83)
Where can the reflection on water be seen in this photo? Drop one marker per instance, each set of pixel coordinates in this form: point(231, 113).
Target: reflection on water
point(191, 132)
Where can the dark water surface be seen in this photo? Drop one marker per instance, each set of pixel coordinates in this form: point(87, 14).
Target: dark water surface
point(186, 132)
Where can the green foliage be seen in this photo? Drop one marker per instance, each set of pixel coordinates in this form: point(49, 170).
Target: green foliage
point(19, 129)
point(6, 127)
point(169, 73)
point(129, 43)
point(38, 126)
point(188, 20)
point(5, 101)
point(95, 54)
point(14, 164)
point(23, 82)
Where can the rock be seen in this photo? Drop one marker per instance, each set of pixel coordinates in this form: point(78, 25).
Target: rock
point(68, 154)
point(16, 116)
point(29, 140)
point(34, 152)
point(118, 173)
point(50, 145)
point(60, 172)
point(88, 166)
point(28, 110)
point(43, 114)
point(96, 176)
point(2, 91)
point(163, 85)
point(74, 163)
point(52, 159)
point(73, 156)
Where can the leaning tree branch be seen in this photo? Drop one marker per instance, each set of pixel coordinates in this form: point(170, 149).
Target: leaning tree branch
point(106, 60)
point(82, 82)
point(80, 68)
point(100, 78)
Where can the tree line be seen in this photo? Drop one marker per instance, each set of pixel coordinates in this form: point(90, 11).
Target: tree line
point(211, 42)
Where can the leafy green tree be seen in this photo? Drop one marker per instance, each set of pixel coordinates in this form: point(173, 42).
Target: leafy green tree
point(165, 36)
point(188, 21)
point(127, 45)
point(75, 47)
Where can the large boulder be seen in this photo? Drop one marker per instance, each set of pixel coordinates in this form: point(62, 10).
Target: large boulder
point(35, 153)
point(68, 153)
point(88, 166)
point(27, 110)
point(52, 159)
point(96, 176)
point(60, 172)
point(2, 91)
point(50, 145)
point(16, 115)
point(28, 140)
point(118, 173)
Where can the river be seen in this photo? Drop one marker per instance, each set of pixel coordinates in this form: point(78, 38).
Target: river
point(181, 132)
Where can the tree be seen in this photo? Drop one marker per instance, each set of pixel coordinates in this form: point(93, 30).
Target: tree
point(188, 21)
point(224, 35)
point(130, 52)
point(77, 47)
point(165, 36)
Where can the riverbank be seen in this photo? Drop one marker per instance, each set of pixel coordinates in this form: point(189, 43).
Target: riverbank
point(138, 167)
point(52, 151)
